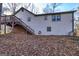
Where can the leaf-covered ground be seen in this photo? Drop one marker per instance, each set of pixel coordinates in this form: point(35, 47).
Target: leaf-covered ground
point(31, 45)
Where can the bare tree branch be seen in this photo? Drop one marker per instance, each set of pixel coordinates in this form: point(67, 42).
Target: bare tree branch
point(13, 6)
point(50, 7)
point(31, 7)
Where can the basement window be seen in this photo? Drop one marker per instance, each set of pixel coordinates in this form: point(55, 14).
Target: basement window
point(29, 19)
point(39, 32)
point(48, 29)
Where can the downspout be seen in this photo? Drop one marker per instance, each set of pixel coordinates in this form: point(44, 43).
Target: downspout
point(0, 15)
point(0, 9)
point(73, 23)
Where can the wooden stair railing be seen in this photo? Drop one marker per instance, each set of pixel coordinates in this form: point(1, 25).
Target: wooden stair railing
point(19, 21)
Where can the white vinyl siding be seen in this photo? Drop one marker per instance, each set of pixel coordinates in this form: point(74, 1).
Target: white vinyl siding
point(37, 23)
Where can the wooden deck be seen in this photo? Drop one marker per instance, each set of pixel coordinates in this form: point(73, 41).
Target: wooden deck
point(13, 21)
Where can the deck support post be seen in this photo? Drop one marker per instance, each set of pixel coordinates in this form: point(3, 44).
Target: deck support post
point(0, 24)
point(13, 19)
point(5, 25)
point(26, 35)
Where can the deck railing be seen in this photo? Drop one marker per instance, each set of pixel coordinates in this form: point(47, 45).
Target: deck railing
point(11, 18)
point(4, 19)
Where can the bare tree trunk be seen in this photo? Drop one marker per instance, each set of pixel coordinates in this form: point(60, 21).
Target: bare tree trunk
point(54, 6)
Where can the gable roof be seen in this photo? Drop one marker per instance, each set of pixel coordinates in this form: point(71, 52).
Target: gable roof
point(65, 12)
point(22, 8)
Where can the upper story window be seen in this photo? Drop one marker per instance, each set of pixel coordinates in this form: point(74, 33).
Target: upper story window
point(45, 18)
point(29, 19)
point(56, 18)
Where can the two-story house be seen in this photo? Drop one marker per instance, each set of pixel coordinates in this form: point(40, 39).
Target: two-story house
point(59, 23)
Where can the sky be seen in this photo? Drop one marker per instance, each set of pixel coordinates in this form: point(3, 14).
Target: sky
point(68, 6)
point(62, 7)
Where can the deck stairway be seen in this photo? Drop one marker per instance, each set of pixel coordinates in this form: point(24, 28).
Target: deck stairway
point(20, 22)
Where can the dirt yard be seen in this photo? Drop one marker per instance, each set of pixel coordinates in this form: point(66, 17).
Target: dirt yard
point(19, 44)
